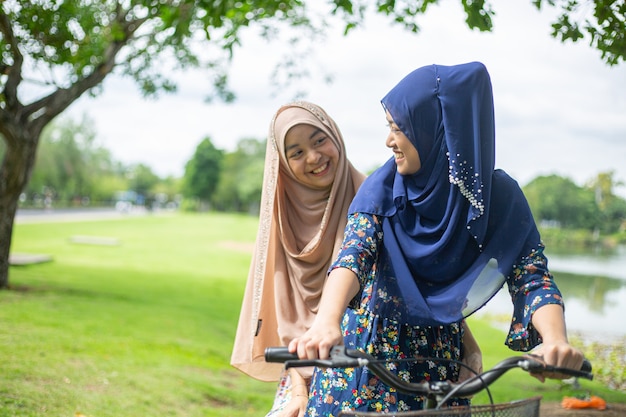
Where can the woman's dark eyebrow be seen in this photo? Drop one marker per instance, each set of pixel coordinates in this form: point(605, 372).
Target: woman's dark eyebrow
point(288, 148)
point(295, 145)
point(315, 133)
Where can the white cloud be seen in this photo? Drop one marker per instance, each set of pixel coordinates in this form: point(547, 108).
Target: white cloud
point(559, 108)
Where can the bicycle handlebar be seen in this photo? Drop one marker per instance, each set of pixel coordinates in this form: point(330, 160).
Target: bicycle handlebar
point(342, 357)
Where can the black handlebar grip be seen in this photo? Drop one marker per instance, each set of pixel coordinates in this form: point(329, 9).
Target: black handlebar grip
point(279, 355)
point(586, 367)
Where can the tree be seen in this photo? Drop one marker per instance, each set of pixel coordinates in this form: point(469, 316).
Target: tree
point(240, 184)
point(603, 186)
point(69, 161)
point(67, 48)
point(602, 22)
point(612, 208)
point(554, 198)
point(168, 191)
point(202, 172)
point(142, 180)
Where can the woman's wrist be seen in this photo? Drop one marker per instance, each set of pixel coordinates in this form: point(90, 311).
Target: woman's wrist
point(300, 389)
point(549, 321)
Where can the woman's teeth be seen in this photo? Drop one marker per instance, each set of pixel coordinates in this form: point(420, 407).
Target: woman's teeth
point(320, 169)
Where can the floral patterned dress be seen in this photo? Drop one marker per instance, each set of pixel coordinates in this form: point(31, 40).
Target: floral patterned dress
point(332, 390)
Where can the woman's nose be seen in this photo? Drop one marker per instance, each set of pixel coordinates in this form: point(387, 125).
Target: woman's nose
point(313, 157)
point(389, 141)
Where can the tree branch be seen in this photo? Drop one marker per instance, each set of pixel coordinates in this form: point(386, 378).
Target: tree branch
point(14, 71)
point(46, 108)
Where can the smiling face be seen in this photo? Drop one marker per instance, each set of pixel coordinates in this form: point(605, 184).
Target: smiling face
point(407, 157)
point(312, 156)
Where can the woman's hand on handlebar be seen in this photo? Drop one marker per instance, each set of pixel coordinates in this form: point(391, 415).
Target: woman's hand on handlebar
point(560, 354)
point(317, 341)
point(555, 350)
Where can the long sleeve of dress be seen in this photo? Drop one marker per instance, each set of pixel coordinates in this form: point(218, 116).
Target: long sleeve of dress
point(359, 251)
point(531, 286)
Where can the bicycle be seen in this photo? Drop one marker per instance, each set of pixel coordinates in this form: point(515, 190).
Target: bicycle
point(436, 393)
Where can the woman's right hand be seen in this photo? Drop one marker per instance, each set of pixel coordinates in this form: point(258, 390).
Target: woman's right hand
point(317, 342)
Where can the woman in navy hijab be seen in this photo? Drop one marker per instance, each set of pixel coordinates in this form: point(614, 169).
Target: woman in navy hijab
point(432, 235)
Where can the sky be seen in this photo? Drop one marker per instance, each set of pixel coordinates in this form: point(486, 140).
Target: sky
point(559, 108)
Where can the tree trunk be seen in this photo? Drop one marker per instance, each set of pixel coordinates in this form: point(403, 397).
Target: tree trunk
point(21, 125)
point(15, 171)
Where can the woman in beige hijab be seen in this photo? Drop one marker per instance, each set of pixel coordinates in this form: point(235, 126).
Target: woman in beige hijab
point(308, 185)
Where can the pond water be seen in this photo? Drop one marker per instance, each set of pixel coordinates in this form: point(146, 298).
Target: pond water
point(594, 289)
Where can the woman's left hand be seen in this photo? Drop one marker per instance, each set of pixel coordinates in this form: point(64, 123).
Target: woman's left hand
point(295, 407)
point(472, 355)
point(555, 350)
point(560, 354)
point(473, 365)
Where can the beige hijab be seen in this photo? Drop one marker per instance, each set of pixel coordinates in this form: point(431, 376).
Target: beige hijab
point(300, 232)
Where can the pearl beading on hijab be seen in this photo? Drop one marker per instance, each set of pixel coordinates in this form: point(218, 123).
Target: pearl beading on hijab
point(460, 179)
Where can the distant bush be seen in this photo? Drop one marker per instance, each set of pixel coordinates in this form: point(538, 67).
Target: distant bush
point(608, 360)
point(573, 239)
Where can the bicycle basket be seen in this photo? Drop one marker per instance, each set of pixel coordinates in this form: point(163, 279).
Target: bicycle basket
point(521, 408)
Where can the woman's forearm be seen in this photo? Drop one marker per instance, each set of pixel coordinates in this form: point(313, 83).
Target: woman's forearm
point(470, 344)
point(341, 286)
point(299, 385)
point(471, 356)
point(549, 321)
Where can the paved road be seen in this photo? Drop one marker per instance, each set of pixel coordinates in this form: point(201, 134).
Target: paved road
point(69, 215)
point(63, 215)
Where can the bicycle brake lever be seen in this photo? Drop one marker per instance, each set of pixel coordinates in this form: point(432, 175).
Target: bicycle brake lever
point(340, 358)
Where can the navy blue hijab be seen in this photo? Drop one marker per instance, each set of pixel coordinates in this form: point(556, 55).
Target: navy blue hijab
point(454, 230)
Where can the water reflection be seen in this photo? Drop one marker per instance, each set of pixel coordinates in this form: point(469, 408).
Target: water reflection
point(594, 289)
point(592, 292)
point(599, 262)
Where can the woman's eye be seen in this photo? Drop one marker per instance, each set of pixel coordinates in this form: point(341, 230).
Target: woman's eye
point(295, 154)
point(393, 127)
point(320, 140)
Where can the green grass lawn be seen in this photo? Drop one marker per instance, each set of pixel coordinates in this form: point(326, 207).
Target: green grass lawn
point(145, 328)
